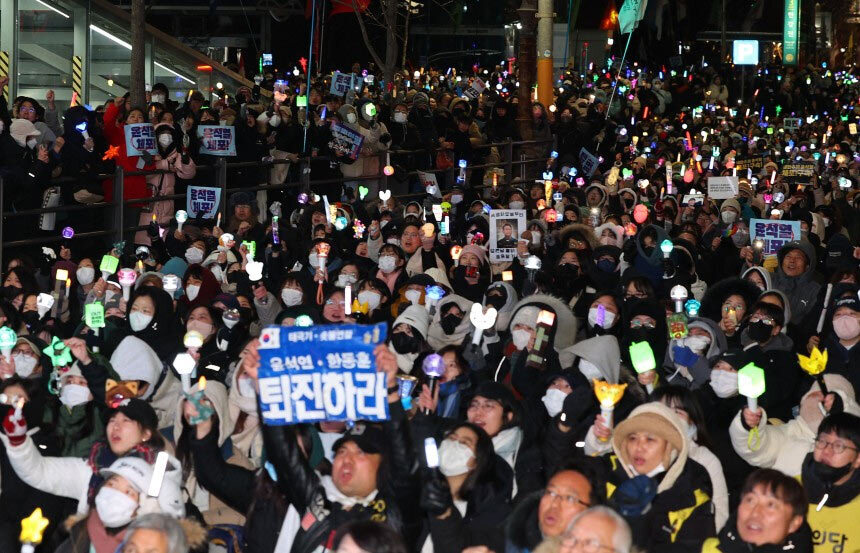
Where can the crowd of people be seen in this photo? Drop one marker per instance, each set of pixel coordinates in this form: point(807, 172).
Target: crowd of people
point(666, 367)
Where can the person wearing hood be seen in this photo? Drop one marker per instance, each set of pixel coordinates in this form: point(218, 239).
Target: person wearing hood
point(603, 315)
point(688, 361)
point(177, 164)
point(205, 403)
point(769, 518)
point(143, 375)
point(404, 137)
point(644, 321)
point(643, 254)
point(210, 360)
point(723, 243)
point(728, 303)
point(758, 276)
point(152, 319)
point(795, 276)
point(409, 337)
point(27, 168)
point(502, 297)
point(200, 287)
point(784, 447)
point(652, 478)
point(471, 277)
point(450, 324)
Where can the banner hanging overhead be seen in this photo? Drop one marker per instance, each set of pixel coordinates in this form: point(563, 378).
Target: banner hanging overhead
point(790, 34)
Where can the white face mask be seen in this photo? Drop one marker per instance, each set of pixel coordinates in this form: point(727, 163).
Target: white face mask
point(32, 143)
point(399, 117)
point(608, 318)
point(72, 395)
point(85, 275)
point(520, 338)
point(370, 297)
point(246, 387)
point(138, 321)
point(191, 291)
point(536, 236)
point(291, 296)
point(454, 458)
point(24, 364)
point(314, 260)
point(553, 400)
point(456, 198)
point(516, 204)
point(350, 118)
point(115, 509)
point(202, 327)
point(589, 370)
point(193, 256)
point(344, 280)
point(414, 296)
point(158, 98)
point(692, 431)
point(387, 263)
point(724, 383)
point(697, 343)
point(728, 217)
point(165, 140)
point(607, 241)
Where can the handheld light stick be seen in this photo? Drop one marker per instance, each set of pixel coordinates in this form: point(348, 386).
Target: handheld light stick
point(94, 316)
point(405, 385)
point(823, 315)
point(751, 384)
point(170, 283)
point(533, 265)
point(692, 307)
point(158, 474)
point(642, 357)
point(231, 318)
point(814, 365)
point(347, 299)
point(455, 254)
point(218, 220)
point(82, 128)
point(8, 339)
point(388, 170)
point(32, 529)
point(44, 302)
point(62, 276)
point(184, 364)
point(679, 295)
point(433, 367)
point(126, 279)
point(108, 266)
point(482, 320)
point(608, 395)
point(181, 217)
point(275, 238)
point(432, 295)
point(461, 178)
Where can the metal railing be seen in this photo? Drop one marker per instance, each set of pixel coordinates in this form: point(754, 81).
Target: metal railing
point(219, 171)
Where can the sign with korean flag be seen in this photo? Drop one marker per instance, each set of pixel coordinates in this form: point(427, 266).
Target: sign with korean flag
point(321, 373)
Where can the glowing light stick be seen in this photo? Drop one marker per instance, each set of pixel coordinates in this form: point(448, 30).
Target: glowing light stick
point(482, 320)
point(44, 302)
point(108, 266)
point(608, 395)
point(184, 364)
point(678, 294)
point(32, 529)
point(181, 217)
point(433, 367)
point(642, 357)
point(751, 384)
point(455, 254)
point(8, 339)
point(126, 279)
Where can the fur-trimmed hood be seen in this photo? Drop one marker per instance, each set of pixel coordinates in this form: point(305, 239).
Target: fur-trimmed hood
point(586, 231)
point(564, 329)
point(617, 230)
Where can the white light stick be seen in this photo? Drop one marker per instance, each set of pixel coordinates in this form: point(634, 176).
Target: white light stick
point(184, 364)
point(158, 474)
point(181, 217)
point(482, 321)
point(827, 294)
point(44, 302)
point(347, 297)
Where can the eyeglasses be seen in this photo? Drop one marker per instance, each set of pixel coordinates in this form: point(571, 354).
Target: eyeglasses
point(762, 318)
point(837, 447)
point(332, 302)
point(591, 545)
point(640, 324)
point(409, 235)
point(26, 110)
point(728, 307)
point(571, 500)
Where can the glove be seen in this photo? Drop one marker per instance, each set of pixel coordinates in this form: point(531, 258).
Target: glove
point(16, 430)
point(684, 356)
point(146, 157)
point(575, 405)
point(436, 497)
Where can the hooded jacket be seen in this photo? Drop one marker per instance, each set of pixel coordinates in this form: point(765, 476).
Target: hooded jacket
point(836, 520)
point(802, 291)
point(784, 447)
point(698, 373)
point(436, 337)
point(680, 514)
point(416, 317)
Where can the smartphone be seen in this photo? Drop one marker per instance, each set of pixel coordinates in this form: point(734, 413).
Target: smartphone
point(431, 453)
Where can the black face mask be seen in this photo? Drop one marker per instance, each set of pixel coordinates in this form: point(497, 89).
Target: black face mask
point(404, 343)
point(496, 301)
point(568, 272)
point(9, 292)
point(648, 250)
point(641, 334)
point(245, 314)
point(760, 331)
point(830, 475)
point(449, 323)
point(30, 318)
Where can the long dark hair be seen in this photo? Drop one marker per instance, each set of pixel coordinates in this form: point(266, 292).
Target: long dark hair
point(678, 397)
point(372, 536)
point(482, 474)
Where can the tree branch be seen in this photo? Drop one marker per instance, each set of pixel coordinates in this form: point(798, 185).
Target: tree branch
point(367, 43)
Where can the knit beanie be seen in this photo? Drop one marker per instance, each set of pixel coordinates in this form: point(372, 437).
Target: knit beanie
point(651, 423)
point(415, 316)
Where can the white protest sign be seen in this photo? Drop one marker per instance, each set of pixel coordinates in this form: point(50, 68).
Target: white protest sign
point(341, 83)
point(431, 185)
point(506, 227)
point(587, 162)
point(203, 201)
point(475, 89)
point(722, 188)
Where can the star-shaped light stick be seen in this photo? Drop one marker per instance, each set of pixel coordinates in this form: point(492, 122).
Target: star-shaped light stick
point(59, 353)
point(32, 529)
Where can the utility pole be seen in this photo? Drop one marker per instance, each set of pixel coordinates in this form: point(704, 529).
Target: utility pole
point(723, 35)
point(138, 54)
point(544, 51)
point(527, 65)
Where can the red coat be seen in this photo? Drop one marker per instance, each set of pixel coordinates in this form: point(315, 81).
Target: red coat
point(135, 186)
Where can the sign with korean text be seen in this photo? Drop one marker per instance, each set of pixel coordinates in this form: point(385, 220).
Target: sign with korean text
point(341, 83)
point(791, 123)
point(139, 138)
point(755, 163)
point(790, 30)
point(203, 201)
point(798, 171)
point(774, 234)
point(506, 227)
point(722, 188)
point(346, 141)
point(321, 373)
point(587, 162)
point(217, 140)
point(475, 89)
